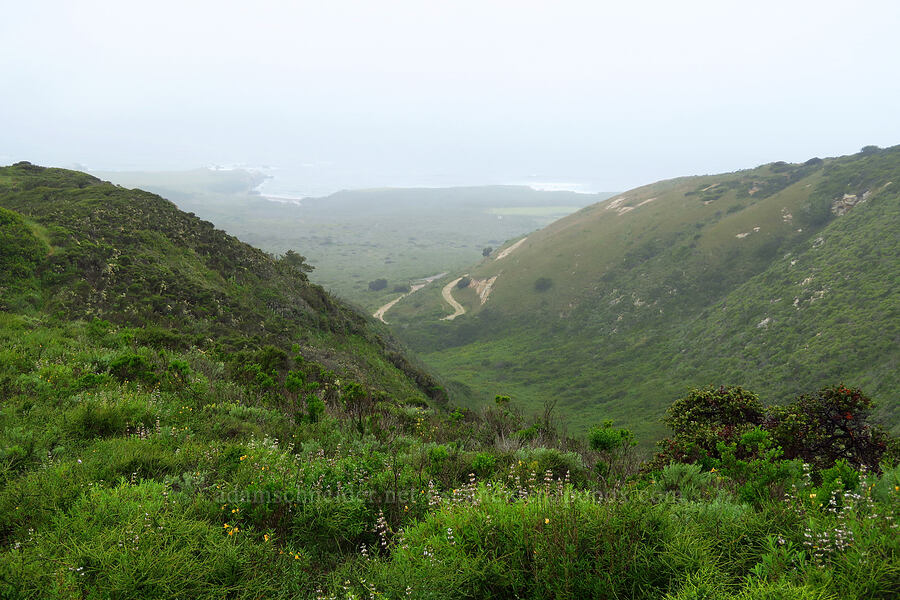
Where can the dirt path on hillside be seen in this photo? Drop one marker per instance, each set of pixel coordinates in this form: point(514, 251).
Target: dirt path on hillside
point(457, 307)
point(379, 314)
point(508, 251)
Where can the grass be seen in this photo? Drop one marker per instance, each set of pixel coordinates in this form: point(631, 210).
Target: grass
point(643, 302)
point(252, 459)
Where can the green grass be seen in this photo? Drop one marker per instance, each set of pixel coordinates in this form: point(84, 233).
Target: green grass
point(645, 302)
point(157, 455)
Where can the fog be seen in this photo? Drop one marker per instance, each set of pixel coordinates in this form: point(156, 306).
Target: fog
point(345, 94)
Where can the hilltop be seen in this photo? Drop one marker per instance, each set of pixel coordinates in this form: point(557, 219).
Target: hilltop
point(781, 278)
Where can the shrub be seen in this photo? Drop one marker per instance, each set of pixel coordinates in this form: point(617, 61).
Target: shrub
point(705, 417)
point(542, 284)
point(132, 367)
point(483, 464)
point(828, 426)
point(377, 285)
point(315, 407)
point(687, 481)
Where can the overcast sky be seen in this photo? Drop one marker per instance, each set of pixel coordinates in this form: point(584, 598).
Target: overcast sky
point(401, 92)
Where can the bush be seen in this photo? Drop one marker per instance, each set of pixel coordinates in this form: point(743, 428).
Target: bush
point(542, 284)
point(132, 367)
point(705, 417)
point(828, 426)
point(377, 285)
point(818, 429)
point(687, 481)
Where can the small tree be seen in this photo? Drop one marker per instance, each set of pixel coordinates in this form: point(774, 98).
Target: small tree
point(298, 261)
point(612, 444)
point(705, 417)
point(820, 429)
point(377, 285)
point(828, 426)
point(487, 251)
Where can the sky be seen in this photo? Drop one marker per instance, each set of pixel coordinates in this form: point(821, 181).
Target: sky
point(342, 94)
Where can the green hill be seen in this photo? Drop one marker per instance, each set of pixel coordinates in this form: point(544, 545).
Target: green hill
point(781, 278)
point(81, 248)
point(181, 416)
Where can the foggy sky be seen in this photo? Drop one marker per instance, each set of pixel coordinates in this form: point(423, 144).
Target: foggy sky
point(412, 91)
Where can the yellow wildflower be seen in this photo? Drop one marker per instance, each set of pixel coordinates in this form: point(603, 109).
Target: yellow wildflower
point(546, 521)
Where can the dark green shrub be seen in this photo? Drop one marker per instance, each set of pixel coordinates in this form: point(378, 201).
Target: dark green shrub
point(828, 426)
point(315, 407)
point(132, 367)
point(705, 417)
point(542, 284)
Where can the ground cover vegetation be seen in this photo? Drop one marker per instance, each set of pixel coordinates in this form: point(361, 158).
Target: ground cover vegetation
point(285, 449)
point(781, 278)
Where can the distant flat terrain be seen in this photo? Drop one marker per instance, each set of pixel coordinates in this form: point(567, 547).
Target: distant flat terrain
point(354, 237)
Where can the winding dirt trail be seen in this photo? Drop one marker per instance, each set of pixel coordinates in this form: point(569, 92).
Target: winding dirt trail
point(506, 252)
point(448, 296)
point(379, 314)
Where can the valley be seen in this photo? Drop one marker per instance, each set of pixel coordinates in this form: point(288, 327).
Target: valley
point(759, 278)
point(185, 415)
point(355, 237)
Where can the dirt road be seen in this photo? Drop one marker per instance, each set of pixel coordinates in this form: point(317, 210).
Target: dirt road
point(379, 314)
point(506, 252)
point(448, 296)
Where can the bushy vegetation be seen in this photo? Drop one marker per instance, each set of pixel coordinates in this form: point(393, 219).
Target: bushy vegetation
point(268, 474)
point(249, 460)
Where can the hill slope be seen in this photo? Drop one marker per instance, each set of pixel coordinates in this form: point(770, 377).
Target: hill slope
point(176, 448)
point(782, 278)
point(87, 249)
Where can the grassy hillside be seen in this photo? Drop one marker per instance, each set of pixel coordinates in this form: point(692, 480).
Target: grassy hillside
point(782, 278)
point(184, 417)
point(86, 249)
